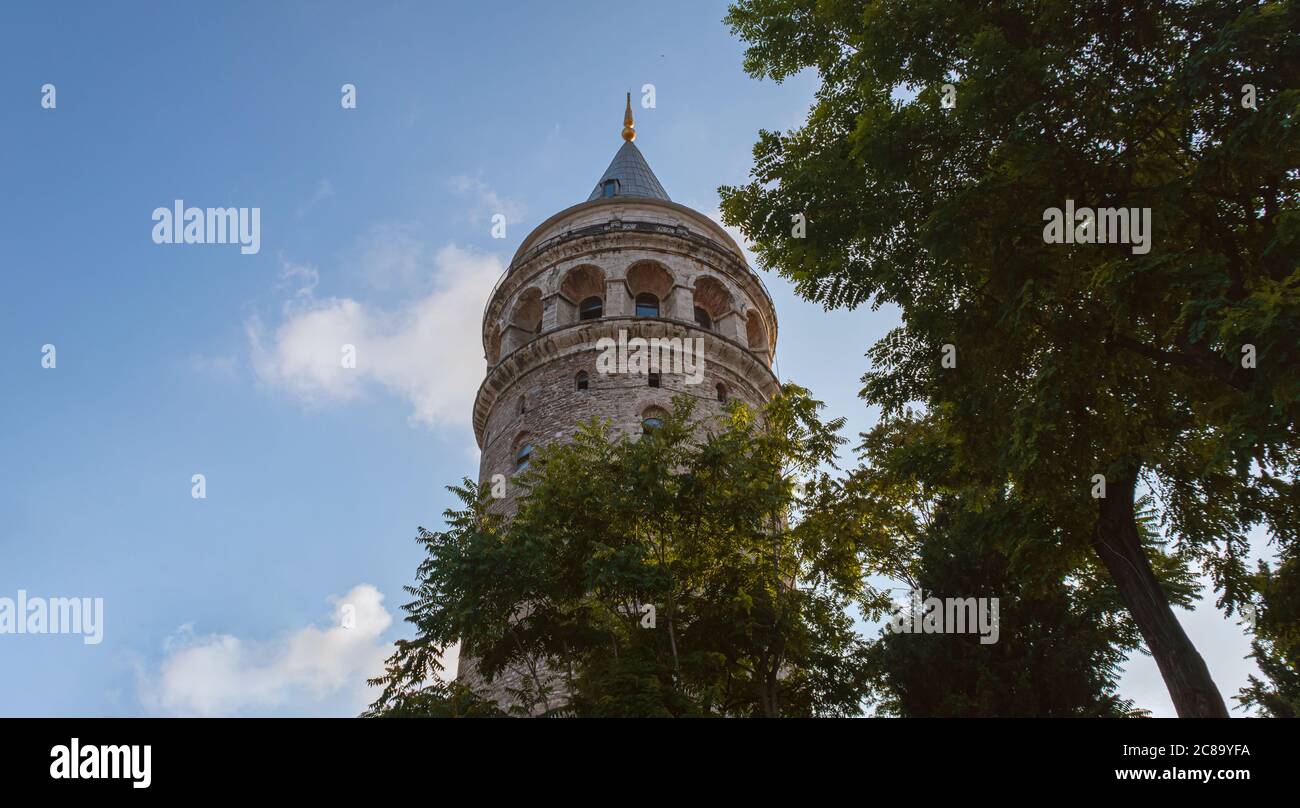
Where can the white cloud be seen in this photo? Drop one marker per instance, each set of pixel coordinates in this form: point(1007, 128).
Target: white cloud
point(429, 352)
point(310, 671)
point(392, 257)
point(486, 202)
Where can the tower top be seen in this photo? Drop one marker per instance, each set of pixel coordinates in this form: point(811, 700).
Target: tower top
point(629, 175)
point(629, 128)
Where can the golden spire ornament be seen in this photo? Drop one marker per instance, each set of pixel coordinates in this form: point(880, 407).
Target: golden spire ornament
point(629, 129)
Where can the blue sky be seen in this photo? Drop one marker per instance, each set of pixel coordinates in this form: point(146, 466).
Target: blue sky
point(176, 360)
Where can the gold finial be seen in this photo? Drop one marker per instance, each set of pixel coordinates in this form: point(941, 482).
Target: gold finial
point(629, 129)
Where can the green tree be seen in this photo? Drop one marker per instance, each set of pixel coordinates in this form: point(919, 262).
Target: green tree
point(1276, 647)
point(1062, 628)
point(1070, 360)
point(665, 575)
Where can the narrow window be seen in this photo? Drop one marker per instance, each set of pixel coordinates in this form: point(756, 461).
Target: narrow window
point(702, 319)
point(591, 309)
point(523, 405)
point(654, 379)
point(582, 380)
point(523, 456)
point(647, 305)
point(722, 393)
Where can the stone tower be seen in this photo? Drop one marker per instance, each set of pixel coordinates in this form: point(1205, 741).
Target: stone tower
point(627, 259)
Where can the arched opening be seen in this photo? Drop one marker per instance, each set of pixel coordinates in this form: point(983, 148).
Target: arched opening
point(702, 319)
point(583, 287)
point(523, 451)
point(581, 380)
point(756, 333)
point(647, 305)
point(712, 302)
point(526, 318)
point(649, 285)
point(653, 418)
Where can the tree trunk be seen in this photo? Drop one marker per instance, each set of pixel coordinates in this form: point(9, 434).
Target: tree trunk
point(1117, 543)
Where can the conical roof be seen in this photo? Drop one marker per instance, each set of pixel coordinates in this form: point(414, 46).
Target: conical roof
point(633, 175)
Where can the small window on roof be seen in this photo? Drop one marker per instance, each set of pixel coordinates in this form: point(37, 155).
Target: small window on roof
point(610, 188)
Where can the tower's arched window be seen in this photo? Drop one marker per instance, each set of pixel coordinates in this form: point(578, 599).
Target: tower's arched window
point(581, 380)
point(582, 295)
point(649, 284)
point(722, 393)
point(712, 302)
point(647, 305)
point(702, 319)
point(526, 316)
point(591, 309)
point(609, 189)
point(523, 456)
point(652, 419)
point(756, 333)
point(654, 379)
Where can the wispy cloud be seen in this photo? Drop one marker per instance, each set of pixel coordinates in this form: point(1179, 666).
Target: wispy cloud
point(324, 190)
point(310, 671)
point(392, 257)
point(483, 201)
point(428, 351)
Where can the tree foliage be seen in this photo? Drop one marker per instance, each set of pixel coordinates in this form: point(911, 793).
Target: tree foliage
point(1063, 631)
point(755, 555)
point(696, 520)
point(1071, 360)
point(1276, 647)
